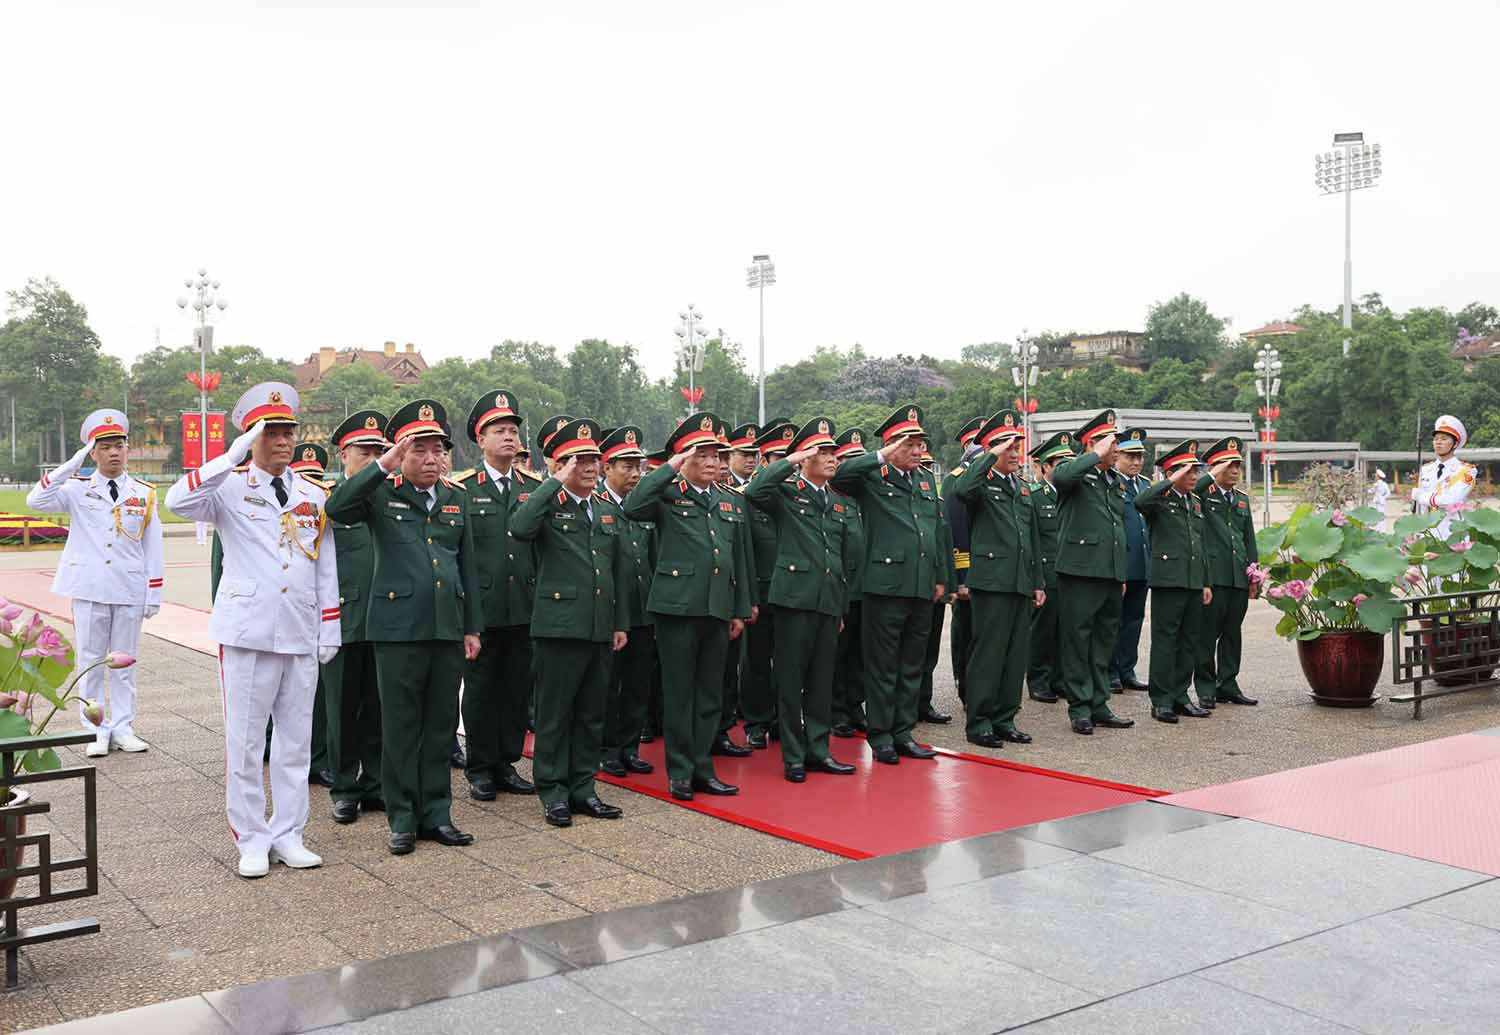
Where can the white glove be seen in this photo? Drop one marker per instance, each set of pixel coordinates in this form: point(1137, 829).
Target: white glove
point(327, 654)
point(239, 449)
point(77, 459)
point(152, 610)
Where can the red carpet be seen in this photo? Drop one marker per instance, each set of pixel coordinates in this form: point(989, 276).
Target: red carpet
point(1433, 801)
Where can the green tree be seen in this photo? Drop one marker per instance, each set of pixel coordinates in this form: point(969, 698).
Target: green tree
point(49, 357)
point(604, 381)
point(1182, 328)
point(159, 388)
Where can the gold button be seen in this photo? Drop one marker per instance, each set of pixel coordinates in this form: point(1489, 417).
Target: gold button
point(434, 562)
point(439, 583)
point(674, 571)
point(508, 534)
point(791, 567)
point(393, 595)
point(888, 560)
point(510, 556)
point(716, 571)
point(341, 600)
point(429, 540)
point(597, 592)
point(556, 596)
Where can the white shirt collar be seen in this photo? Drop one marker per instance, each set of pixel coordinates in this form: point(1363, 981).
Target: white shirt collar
point(495, 475)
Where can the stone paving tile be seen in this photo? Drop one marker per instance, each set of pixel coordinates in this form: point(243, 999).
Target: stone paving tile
point(1184, 1006)
point(629, 889)
point(524, 909)
point(1476, 905)
point(407, 932)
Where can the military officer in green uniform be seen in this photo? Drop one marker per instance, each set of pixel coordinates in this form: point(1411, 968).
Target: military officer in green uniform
point(353, 696)
point(960, 628)
point(544, 433)
point(577, 623)
point(1090, 574)
point(701, 595)
point(808, 590)
point(1044, 680)
point(926, 710)
point(652, 728)
point(1180, 588)
point(908, 568)
point(633, 668)
point(758, 696)
point(734, 706)
point(849, 664)
point(1229, 542)
point(498, 683)
point(1005, 580)
point(1131, 455)
point(424, 616)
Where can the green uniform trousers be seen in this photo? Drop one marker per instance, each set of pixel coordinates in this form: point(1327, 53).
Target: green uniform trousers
point(353, 723)
point(572, 677)
point(758, 688)
point(896, 631)
point(691, 649)
point(1087, 622)
point(997, 660)
point(806, 642)
point(931, 654)
point(1218, 667)
point(418, 714)
point(1174, 643)
point(734, 673)
point(849, 670)
point(629, 696)
point(1043, 673)
point(317, 761)
point(960, 637)
point(497, 695)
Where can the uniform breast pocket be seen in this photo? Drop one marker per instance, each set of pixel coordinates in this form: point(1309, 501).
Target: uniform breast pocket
point(236, 593)
point(1085, 540)
point(894, 557)
point(667, 570)
point(402, 527)
point(391, 590)
point(557, 593)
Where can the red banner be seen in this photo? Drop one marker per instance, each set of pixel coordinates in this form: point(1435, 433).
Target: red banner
point(192, 440)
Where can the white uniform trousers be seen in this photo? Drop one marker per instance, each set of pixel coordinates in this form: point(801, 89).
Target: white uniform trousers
point(256, 684)
point(99, 629)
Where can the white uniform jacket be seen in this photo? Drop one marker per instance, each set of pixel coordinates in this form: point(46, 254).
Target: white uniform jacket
point(1437, 492)
point(113, 554)
point(280, 588)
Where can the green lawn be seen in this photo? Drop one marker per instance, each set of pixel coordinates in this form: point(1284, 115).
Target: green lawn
point(14, 501)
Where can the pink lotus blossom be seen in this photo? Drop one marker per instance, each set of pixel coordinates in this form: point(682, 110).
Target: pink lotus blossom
point(6, 627)
point(92, 711)
point(1359, 598)
point(1463, 547)
point(1276, 592)
point(118, 659)
point(1297, 589)
point(49, 644)
point(1409, 540)
point(1339, 519)
point(32, 629)
point(1414, 575)
point(17, 701)
point(8, 611)
point(1257, 573)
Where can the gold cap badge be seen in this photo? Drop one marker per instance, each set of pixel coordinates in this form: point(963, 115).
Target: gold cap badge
point(822, 427)
point(275, 396)
point(706, 424)
point(585, 432)
point(630, 437)
point(854, 437)
point(372, 423)
point(309, 454)
point(1010, 421)
point(911, 414)
point(425, 412)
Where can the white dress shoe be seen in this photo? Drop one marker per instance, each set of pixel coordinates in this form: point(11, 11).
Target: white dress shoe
point(254, 864)
point(296, 856)
point(98, 749)
point(130, 742)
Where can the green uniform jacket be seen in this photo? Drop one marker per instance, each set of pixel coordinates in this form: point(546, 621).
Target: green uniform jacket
point(1178, 560)
point(854, 547)
point(1091, 542)
point(810, 572)
point(1229, 538)
point(637, 562)
point(1005, 544)
point(356, 562)
point(703, 564)
point(908, 552)
point(1049, 526)
point(424, 561)
point(762, 542)
point(578, 562)
point(507, 569)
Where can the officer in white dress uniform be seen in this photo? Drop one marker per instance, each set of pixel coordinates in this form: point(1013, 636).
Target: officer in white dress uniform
point(1445, 480)
point(111, 566)
point(276, 618)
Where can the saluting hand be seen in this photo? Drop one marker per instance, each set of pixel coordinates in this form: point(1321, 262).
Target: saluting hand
point(565, 472)
point(1102, 447)
point(239, 449)
point(390, 460)
point(802, 454)
point(1182, 478)
point(676, 460)
point(471, 641)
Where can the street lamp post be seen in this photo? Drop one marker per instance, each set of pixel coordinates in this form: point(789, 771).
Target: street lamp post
point(1268, 384)
point(1352, 165)
point(760, 275)
point(690, 332)
point(203, 301)
point(1024, 373)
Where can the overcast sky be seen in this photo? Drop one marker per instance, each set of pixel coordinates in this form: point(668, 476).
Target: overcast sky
point(924, 175)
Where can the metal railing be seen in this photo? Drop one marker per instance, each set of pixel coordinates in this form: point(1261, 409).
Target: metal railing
point(1453, 648)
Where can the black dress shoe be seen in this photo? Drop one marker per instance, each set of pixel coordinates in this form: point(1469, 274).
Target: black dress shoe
point(987, 740)
point(636, 764)
point(1133, 684)
point(886, 755)
point(1238, 698)
point(558, 814)
point(1164, 715)
point(403, 844)
point(831, 765)
point(927, 713)
point(647, 736)
point(860, 725)
point(1114, 722)
point(1192, 711)
point(456, 759)
point(612, 767)
point(795, 774)
point(843, 730)
point(911, 749)
point(1015, 736)
point(511, 782)
point(1084, 726)
point(448, 834)
point(482, 788)
point(1045, 696)
point(373, 805)
point(682, 790)
point(345, 811)
point(758, 739)
point(1115, 687)
point(724, 746)
point(713, 785)
point(322, 777)
point(1207, 703)
point(598, 809)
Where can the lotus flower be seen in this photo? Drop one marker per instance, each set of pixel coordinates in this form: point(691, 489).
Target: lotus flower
point(93, 712)
point(1411, 539)
point(8, 611)
point(118, 659)
point(1463, 547)
point(17, 701)
point(1359, 598)
point(1257, 573)
point(1414, 575)
point(1297, 589)
point(1339, 518)
point(1276, 592)
point(32, 629)
point(48, 644)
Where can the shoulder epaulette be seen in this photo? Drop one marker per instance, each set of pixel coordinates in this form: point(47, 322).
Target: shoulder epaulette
point(326, 486)
point(733, 488)
point(957, 471)
point(242, 469)
point(80, 478)
point(446, 481)
point(462, 475)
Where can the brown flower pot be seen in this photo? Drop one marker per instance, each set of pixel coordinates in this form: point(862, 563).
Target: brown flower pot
point(1343, 666)
point(18, 797)
point(1471, 645)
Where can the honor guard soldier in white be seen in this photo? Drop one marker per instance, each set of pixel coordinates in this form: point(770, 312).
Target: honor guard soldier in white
point(111, 566)
point(275, 617)
point(1445, 480)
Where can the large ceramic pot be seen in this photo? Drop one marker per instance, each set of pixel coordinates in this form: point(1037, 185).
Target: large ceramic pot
point(1467, 645)
point(1343, 666)
point(18, 798)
